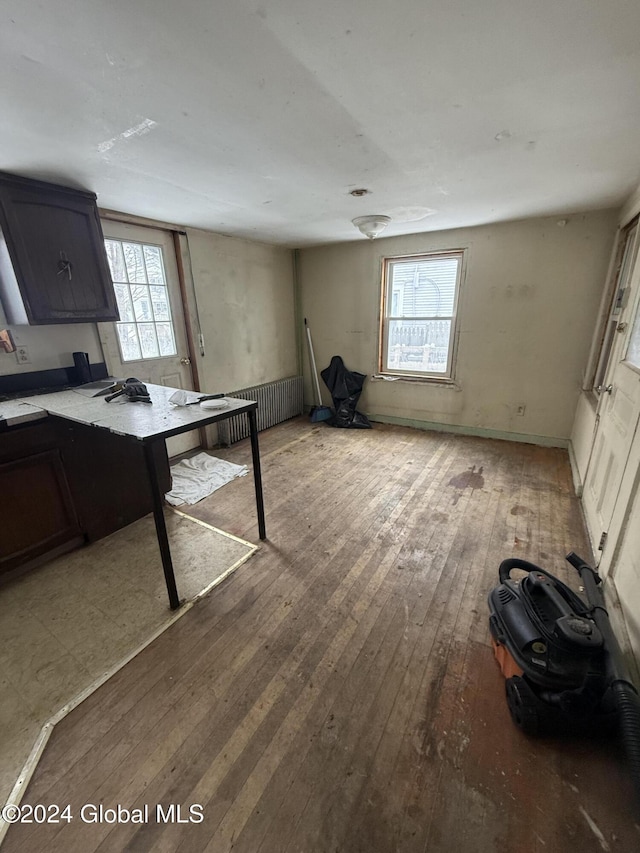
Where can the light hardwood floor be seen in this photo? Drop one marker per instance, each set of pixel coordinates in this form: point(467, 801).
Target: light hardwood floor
point(338, 694)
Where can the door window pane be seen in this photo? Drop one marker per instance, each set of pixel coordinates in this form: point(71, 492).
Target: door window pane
point(141, 303)
point(153, 260)
point(129, 343)
point(148, 340)
point(116, 260)
point(160, 302)
point(165, 339)
point(123, 298)
point(135, 262)
point(633, 350)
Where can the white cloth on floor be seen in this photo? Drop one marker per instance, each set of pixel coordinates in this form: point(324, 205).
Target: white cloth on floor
point(195, 478)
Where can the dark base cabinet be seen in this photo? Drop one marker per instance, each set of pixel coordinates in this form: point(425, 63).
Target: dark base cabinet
point(36, 508)
point(63, 484)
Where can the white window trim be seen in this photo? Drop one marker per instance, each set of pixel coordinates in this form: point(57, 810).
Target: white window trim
point(447, 378)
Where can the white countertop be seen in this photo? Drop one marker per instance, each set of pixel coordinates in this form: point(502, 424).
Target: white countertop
point(14, 412)
point(139, 420)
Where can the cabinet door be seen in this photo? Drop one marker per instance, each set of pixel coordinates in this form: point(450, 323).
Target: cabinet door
point(55, 244)
point(36, 509)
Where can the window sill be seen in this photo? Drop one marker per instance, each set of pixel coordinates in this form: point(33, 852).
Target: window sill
point(447, 383)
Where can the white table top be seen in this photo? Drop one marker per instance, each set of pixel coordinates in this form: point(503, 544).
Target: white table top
point(143, 421)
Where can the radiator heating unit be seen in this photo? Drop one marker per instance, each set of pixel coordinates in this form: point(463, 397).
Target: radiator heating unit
point(277, 402)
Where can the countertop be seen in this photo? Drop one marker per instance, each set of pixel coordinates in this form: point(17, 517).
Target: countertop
point(143, 421)
point(14, 412)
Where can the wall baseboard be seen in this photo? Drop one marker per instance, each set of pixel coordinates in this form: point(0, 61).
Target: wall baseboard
point(578, 485)
point(526, 438)
point(619, 625)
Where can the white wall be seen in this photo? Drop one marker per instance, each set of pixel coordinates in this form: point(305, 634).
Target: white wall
point(529, 304)
point(245, 298)
point(52, 346)
point(584, 427)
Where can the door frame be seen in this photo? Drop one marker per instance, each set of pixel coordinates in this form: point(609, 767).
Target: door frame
point(174, 233)
point(628, 308)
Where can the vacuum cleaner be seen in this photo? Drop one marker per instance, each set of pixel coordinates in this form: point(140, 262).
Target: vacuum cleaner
point(563, 666)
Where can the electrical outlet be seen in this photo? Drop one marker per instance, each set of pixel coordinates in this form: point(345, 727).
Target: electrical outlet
point(22, 355)
point(520, 410)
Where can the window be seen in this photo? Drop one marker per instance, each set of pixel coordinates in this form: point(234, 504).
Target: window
point(418, 325)
point(145, 329)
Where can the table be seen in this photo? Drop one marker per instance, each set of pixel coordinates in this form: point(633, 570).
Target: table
point(149, 424)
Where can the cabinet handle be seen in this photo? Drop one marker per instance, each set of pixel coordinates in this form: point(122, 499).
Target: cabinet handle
point(64, 265)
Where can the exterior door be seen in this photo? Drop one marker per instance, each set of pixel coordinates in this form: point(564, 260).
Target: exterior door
point(626, 570)
point(149, 342)
point(607, 490)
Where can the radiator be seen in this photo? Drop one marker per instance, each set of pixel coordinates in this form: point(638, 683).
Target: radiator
point(277, 402)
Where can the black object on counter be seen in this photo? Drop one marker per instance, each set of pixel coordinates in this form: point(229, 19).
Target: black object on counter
point(135, 391)
point(345, 387)
point(205, 397)
point(83, 367)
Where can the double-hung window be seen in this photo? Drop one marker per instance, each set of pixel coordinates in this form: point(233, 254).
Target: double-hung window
point(419, 310)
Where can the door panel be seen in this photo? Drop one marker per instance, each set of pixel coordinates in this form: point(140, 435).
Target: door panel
point(140, 273)
point(626, 571)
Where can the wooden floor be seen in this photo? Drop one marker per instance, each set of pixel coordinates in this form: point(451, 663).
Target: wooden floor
point(339, 693)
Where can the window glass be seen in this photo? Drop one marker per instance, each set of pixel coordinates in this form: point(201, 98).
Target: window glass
point(633, 349)
point(420, 304)
point(145, 329)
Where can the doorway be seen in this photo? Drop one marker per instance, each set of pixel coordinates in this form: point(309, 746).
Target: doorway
point(150, 341)
point(607, 483)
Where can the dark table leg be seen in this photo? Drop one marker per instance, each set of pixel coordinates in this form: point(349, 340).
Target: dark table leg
point(257, 475)
point(161, 527)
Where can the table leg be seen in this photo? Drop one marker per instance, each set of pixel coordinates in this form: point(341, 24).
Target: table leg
point(161, 527)
point(257, 475)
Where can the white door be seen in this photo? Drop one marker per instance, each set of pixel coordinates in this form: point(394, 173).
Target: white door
point(606, 493)
point(150, 340)
point(626, 571)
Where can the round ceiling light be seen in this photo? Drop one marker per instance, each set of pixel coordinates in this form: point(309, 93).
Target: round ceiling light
point(371, 226)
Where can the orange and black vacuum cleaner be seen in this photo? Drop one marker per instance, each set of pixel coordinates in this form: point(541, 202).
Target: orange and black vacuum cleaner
point(562, 663)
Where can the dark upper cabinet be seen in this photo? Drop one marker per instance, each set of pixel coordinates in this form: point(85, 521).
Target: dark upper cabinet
point(53, 265)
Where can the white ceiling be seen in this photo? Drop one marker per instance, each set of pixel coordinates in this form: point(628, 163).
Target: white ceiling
point(257, 118)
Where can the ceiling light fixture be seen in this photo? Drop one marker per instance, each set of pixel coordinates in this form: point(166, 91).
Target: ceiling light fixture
point(372, 226)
